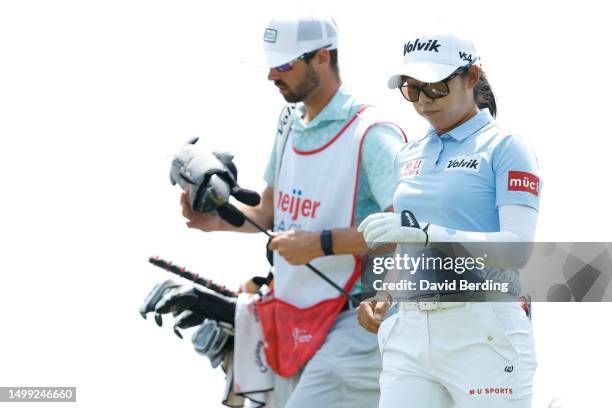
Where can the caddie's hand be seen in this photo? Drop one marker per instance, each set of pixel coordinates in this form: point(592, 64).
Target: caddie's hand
point(297, 247)
point(205, 222)
point(392, 227)
point(371, 313)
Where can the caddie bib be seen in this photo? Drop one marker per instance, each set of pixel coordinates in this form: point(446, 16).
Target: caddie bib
point(315, 190)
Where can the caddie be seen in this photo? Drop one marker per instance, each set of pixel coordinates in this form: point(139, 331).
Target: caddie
point(331, 166)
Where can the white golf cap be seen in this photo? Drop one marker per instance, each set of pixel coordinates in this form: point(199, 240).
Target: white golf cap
point(288, 37)
point(431, 58)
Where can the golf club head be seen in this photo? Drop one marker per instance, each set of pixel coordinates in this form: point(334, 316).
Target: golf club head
point(216, 360)
point(177, 300)
point(177, 332)
point(154, 296)
point(188, 319)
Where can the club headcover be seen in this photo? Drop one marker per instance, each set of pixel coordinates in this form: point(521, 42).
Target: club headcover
point(212, 339)
point(210, 178)
point(205, 302)
point(180, 161)
point(176, 300)
point(187, 319)
point(155, 295)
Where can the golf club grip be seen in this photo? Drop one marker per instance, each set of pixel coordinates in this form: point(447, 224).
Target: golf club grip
point(193, 277)
point(354, 301)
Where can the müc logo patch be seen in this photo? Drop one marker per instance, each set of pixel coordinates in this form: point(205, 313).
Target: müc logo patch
point(270, 35)
point(523, 181)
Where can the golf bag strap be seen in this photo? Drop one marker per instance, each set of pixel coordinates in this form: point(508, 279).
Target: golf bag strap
point(285, 122)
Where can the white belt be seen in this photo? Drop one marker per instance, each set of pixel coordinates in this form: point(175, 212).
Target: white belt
point(429, 303)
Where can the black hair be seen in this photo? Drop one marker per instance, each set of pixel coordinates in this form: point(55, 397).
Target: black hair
point(333, 60)
point(483, 94)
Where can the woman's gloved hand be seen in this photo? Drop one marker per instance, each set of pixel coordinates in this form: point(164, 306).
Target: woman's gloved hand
point(392, 227)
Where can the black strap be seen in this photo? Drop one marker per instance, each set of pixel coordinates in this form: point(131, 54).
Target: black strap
point(326, 242)
point(426, 234)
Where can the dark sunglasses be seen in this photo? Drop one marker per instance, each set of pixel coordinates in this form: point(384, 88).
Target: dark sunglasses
point(307, 56)
point(433, 90)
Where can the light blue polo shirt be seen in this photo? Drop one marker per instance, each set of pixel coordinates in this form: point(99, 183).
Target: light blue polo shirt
point(459, 179)
point(381, 144)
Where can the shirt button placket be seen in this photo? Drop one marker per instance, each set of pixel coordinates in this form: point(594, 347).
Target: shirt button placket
point(440, 149)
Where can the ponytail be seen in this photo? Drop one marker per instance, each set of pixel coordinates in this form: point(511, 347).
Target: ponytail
point(483, 95)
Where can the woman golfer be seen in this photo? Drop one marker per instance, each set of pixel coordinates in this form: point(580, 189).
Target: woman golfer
point(467, 181)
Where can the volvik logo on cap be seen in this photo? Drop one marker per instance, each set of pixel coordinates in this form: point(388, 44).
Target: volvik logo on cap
point(431, 45)
point(465, 56)
point(431, 57)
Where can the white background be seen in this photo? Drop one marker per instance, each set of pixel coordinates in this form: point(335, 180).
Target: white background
point(96, 96)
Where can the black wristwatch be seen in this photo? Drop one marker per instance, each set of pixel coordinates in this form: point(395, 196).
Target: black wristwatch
point(326, 242)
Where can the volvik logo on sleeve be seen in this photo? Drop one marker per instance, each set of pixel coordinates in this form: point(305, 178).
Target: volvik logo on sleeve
point(523, 181)
point(421, 46)
point(465, 163)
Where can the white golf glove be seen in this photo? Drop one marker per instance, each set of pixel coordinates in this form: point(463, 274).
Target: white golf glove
point(393, 227)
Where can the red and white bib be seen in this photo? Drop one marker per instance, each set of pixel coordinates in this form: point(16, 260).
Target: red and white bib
point(315, 190)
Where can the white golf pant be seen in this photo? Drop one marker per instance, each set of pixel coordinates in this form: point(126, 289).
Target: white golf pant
point(473, 356)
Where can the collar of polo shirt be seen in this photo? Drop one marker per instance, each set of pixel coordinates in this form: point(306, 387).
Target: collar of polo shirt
point(468, 127)
point(338, 108)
